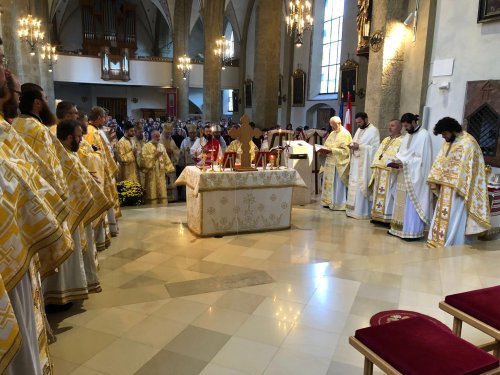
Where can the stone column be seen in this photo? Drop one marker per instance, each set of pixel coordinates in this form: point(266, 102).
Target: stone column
point(212, 13)
point(383, 89)
point(286, 88)
point(27, 67)
point(267, 59)
point(182, 15)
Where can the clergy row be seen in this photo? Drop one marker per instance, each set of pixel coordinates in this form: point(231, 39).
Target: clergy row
point(58, 206)
point(396, 182)
point(156, 164)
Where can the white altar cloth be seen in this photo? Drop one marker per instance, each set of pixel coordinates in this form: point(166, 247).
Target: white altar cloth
point(220, 203)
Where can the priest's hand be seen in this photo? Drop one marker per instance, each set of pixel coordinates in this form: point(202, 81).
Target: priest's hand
point(354, 146)
point(158, 154)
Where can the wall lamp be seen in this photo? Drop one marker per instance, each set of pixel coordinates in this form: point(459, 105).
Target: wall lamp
point(413, 16)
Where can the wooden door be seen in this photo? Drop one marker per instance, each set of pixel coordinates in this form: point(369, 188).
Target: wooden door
point(117, 107)
point(171, 101)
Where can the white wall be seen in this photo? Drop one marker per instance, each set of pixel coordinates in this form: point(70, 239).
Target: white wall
point(476, 50)
point(85, 96)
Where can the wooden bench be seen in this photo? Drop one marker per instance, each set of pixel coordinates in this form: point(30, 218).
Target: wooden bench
point(417, 346)
point(478, 308)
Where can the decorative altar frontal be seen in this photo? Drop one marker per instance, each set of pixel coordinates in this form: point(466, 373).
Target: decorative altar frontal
point(220, 203)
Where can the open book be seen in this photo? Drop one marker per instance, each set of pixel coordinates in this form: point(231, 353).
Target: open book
point(320, 147)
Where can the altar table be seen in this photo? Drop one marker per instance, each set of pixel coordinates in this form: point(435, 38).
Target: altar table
point(220, 203)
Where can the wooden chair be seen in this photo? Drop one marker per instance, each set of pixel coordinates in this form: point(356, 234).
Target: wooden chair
point(480, 309)
point(418, 346)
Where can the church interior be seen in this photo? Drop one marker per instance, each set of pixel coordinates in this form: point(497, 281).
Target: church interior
point(187, 299)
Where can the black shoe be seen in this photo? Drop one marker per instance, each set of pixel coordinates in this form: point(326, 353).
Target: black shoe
point(52, 308)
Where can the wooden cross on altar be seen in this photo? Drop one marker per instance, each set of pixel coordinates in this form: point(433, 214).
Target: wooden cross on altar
point(245, 134)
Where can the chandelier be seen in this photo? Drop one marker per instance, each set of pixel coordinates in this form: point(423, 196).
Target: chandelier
point(29, 31)
point(223, 51)
point(299, 19)
point(184, 66)
point(49, 55)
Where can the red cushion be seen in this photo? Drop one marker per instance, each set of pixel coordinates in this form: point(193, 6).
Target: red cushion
point(417, 346)
point(482, 304)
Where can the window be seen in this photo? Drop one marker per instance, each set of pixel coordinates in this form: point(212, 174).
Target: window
point(332, 45)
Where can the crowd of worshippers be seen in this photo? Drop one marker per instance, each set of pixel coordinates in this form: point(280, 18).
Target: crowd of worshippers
point(58, 209)
point(397, 183)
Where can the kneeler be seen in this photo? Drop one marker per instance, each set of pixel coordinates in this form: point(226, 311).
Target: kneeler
point(417, 346)
point(478, 308)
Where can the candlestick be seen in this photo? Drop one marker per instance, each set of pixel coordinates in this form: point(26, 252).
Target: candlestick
point(271, 159)
point(220, 164)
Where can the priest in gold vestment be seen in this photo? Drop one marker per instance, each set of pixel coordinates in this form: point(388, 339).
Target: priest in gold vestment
point(336, 167)
point(458, 179)
point(126, 153)
point(173, 153)
point(156, 164)
point(235, 146)
point(140, 142)
point(384, 177)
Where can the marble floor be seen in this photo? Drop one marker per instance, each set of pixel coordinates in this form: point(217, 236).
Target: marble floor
point(269, 303)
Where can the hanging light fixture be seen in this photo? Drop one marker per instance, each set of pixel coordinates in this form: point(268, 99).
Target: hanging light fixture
point(49, 55)
point(223, 51)
point(299, 19)
point(29, 31)
point(184, 66)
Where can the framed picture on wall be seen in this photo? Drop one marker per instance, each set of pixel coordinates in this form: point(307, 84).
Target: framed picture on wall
point(349, 79)
point(489, 10)
point(248, 93)
point(298, 88)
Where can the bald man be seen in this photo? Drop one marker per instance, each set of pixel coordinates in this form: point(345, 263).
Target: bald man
point(336, 168)
point(383, 177)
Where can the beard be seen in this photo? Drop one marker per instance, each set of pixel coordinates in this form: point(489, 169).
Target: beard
point(10, 108)
point(452, 139)
point(47, 117)
point(208, 137)
point(75, 145)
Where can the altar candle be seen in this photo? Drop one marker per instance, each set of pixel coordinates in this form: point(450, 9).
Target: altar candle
point(271, 158)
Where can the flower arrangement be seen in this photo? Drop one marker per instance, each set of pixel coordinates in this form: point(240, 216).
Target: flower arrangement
point(130, 193)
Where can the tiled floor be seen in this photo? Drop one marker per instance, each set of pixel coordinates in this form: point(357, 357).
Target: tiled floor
point(270, 303)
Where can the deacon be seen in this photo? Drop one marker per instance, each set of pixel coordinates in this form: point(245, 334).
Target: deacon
point(173, 154)
point(70, 283)
point(412, 204)
point(384, 177)
point(458, 179)
point(126, 153)
point(206, 147)
point(97, 139)
point(336, 167)
point(140, 142)
point(363, 147)
point(156, 164)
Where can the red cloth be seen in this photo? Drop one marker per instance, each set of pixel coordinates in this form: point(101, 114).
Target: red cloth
point(416, 346)
point(482, 304)
point(348, 114)
point(213, 144)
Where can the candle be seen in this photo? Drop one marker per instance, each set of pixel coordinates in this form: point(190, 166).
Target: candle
point(271, 159)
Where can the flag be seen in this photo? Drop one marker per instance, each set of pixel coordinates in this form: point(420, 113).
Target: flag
point(348, 114)
point(341, 107)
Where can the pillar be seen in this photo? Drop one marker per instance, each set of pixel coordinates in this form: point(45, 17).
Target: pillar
point(267, 62)
point(212, 13)
point(383, 88)
point(182, 16)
